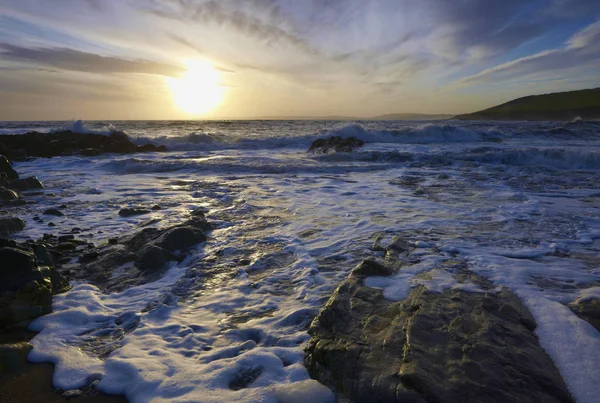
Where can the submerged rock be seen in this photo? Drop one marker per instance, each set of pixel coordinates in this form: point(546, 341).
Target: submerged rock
point(335, 144)
point(454, 346)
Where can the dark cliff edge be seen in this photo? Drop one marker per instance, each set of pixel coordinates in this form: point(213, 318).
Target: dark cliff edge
point(559, 106)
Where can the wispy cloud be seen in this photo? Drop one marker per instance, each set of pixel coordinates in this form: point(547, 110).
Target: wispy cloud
point(70, 59)
point(580, 51)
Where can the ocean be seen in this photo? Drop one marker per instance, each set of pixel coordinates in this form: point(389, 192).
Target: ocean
point(516, 202)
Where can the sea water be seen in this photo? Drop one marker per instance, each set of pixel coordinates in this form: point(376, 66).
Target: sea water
point(516, 202)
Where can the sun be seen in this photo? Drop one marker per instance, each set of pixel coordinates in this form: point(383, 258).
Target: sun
point(199, 90)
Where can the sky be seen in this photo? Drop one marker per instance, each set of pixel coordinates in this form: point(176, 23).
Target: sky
point(214, 59)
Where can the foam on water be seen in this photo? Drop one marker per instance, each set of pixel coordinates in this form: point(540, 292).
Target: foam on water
point(522, 213)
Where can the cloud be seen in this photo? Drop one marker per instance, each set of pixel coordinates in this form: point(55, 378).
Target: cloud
point(580, 51)
point(75, 60)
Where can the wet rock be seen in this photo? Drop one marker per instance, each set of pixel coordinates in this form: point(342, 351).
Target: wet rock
point(8, 225)
point(26, 289)
point(51, 224)
point(64, 246)
point(42, 255)
point(26, 184)
point(89, 256)
point(453, 346)
point(128, 212)
point(156, 207)
point(142, 255)
point(7, 169)
point(587, 309)
point(66, 238)
point(54, 212)
point(180, 238)
point(244, 378)
point(152, 257)
point(8, 195)
point(13, 356)
point(335, 144)
point(48, 145)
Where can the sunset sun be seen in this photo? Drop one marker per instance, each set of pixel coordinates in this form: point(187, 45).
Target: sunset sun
point(198, 90)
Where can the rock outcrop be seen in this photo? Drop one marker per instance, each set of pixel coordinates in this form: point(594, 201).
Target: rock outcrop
point(33, 144)
point(9, 225)
point(10, 183)
point(26, 288)
point(144, 254)
point(454, 346)
point(587, 309)
point(335, 144)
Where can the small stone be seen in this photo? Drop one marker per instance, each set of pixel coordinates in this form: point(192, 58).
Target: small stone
point(51, 224)
point(113, 241)
point(69, 394)
point(156, 207)
point(54, 212)
point(89, 256)
point(128, 212)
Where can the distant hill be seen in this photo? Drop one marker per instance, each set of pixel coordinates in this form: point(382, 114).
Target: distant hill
point(570, 105)
point(392, 116)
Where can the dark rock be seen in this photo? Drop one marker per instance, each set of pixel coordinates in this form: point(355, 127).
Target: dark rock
point(26, 289)
point(199, 212)
point(7, 242)
point(180, 238)
point(90, 152)
point(450, 347)
point(8, 195)
point(245, 378)
point(7, 169)
point(54, 212)
point(65, 238)
point(48, 145)
point(89, 256)
point(335, 144)
point(36, 218)
point(153, 257)
point(588, 310)
point(51, 224)
point(65, 246)
point(128, 212)
point(14, 263)
point(13, 356)
point(371, 268)
point(156, 207)
point(26, 184)
point(113, 241)
point(8, 225)
point(44, 257)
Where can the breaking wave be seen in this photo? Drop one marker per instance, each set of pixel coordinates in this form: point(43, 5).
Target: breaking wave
point(426, 134)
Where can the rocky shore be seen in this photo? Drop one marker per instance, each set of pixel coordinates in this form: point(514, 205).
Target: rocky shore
point(454, 346)
point(473, 343)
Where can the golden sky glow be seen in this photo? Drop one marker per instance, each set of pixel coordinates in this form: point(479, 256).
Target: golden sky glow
point(98, 59)
point(198, 91)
